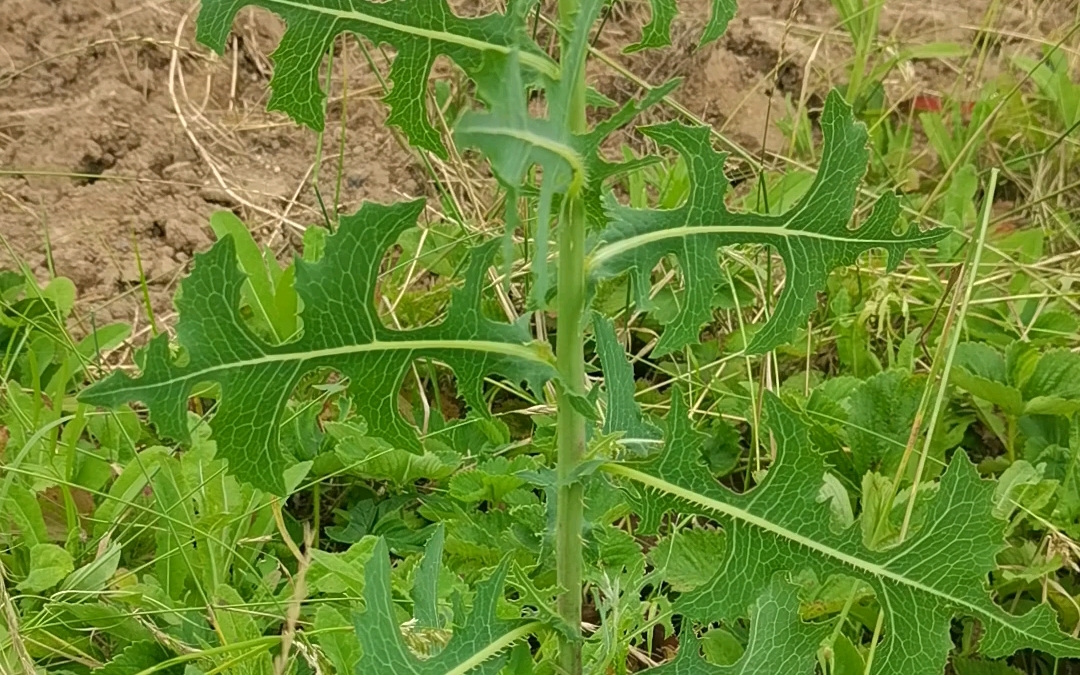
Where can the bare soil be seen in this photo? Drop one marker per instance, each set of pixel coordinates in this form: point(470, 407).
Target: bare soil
point(118, 133)
point(91, 124)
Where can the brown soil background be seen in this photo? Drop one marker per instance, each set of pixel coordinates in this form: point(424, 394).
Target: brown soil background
point(164, 133)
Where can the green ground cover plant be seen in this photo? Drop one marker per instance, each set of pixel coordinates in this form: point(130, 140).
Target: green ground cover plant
point(318, 486)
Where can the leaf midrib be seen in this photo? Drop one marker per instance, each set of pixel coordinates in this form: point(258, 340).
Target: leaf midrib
point(609, 251)
point(504, 348)
point(769, 526)
point(534, 61)
point(492, 649)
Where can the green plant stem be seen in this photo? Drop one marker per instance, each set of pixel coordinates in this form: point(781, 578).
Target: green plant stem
point(571, 429)
point(954, 340)
point(1010, 437)
point(570, 361)
point(316, 518)
point(319, 139)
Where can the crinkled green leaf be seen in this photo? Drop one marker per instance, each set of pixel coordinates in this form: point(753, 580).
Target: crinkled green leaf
point(1067, 509)
point(340, 647)
point(384, 518)
point(657, 33)
point(980, 370)
point(880, 416)
point(981, 360)
point(419, 31)
point(477, 540)
point(724, 447)
point(1054, 386)
point(491, 480)
point(616, 550)
point(373, 458)
point(341, 330)
point(938, 572)
point(1021, 360)
point(235, 624)
point(812, 237)
point(474, 435)
point(478, 638)
point(49, 564)
point(341, 572)
point(780, 642)
point(136, 658)
point(1021, 381)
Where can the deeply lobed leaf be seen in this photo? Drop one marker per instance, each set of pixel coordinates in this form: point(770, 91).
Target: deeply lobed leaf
point(812, 237)
point(779, 641)
point(475, 647)
point(419, 31)
point(514, 141)
point(341, 331)
point(657, 33)
point(938, 572)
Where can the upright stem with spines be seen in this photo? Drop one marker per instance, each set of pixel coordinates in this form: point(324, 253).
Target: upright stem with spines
point(570, 355)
